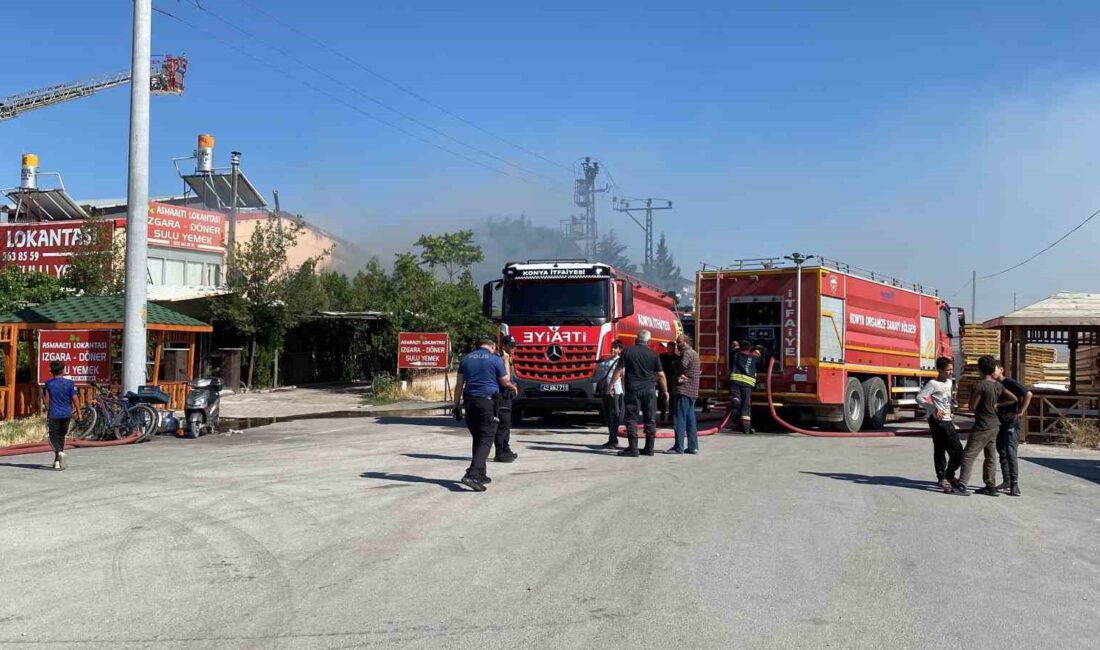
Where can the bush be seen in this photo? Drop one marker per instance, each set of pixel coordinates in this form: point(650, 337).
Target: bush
point(1082, 433)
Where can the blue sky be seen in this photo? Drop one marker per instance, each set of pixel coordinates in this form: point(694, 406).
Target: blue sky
point(921, 139)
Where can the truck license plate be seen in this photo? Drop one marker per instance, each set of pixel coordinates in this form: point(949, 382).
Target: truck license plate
point(560, 388)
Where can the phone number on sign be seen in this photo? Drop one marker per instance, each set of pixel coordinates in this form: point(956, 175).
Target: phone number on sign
point(20, 256)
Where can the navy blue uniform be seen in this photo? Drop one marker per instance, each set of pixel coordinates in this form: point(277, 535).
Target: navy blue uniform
point(481, 372)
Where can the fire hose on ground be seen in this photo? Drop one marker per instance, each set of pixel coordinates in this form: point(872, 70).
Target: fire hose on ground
point(829, 434)
point(44, 447)
point(793, 429)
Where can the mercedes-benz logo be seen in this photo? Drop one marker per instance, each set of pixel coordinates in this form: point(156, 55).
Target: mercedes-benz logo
point(554, 353)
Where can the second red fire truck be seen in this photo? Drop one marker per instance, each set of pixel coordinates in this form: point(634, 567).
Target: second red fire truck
point(849, 347)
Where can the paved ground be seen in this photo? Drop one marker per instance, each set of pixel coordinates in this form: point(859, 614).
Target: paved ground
point(305, 401)
point(354, 532)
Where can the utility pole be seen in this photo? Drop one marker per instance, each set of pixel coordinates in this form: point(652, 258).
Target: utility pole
point(974, 296)
point(235, 172)
point(627, 206)
point(137, 203)
point(591, 170)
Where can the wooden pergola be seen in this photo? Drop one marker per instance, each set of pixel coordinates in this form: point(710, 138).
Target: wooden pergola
point(90, 313)
point(1064, 319)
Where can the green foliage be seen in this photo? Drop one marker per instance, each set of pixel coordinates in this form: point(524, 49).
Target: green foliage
point(610, 250)
point(98, 267)
point(664, 272)
point(268, 297)
point(19, 288)
point(454, 251)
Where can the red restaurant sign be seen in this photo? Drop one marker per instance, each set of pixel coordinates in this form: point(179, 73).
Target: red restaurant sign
point(85, 353)
point(43, 247)
point(179, 227)
point(423, 350)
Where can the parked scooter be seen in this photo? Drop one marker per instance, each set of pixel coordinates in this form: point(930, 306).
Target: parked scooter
point(203, 409)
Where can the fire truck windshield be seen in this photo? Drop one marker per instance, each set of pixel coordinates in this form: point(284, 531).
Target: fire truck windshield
point(562, 303)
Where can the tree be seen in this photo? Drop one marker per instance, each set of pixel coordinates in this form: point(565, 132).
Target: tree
point(454, 251)
point(19, 288)
point(664, 272)
point(610, 250)
point(98, 265)
point(336, 289)
point(268, 297)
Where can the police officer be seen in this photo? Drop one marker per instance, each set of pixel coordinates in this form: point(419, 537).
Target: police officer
point(743, 367)
point(504, 411)
point(481, 377)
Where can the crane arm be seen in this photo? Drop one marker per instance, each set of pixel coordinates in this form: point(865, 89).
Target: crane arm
point(14, 105)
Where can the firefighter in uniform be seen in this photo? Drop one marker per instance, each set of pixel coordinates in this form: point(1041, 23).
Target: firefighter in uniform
point(743, 367)
point(481, 378)
point(504, 411)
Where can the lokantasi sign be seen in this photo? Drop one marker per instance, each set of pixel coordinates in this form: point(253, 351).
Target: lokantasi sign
point(179, 227)
point(423, 350)
point(85, 353)
point(43, 247)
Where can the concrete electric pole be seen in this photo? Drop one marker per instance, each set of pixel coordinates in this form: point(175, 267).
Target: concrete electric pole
point(627, 206)
point(137, 201)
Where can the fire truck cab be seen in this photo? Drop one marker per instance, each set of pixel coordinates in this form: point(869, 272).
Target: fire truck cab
point(564, 315)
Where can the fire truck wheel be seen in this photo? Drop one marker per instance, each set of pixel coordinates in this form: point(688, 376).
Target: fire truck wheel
point(854, 409)
point(877, 401)
point(517, 416)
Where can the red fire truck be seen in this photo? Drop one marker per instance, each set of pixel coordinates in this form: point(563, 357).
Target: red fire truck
point(849, 346)
point(564, 315)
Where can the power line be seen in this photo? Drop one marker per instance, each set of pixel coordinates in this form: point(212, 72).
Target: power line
point(337, 99)
point(1050, 246)
point(369, 98)
point(402, 88)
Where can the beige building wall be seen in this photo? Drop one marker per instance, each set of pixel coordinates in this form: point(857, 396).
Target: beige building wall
point(312, 242)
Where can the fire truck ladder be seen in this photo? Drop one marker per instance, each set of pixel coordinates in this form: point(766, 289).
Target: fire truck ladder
point(166, 79)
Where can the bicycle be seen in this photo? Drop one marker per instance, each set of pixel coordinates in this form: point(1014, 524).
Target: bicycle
point(110, 416)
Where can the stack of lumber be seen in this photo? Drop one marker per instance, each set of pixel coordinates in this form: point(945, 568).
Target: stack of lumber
point(1056, 373)
point(976, 341)
point(1038, 356)
point(1088, 370)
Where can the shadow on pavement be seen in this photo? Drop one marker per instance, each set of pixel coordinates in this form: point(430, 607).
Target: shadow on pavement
point(1085, 468)
point(570, 444)
point(27, 466)
point(423, 421)
point(892, 481)
point(453, 486)
point(587, 450)
point(438, 457)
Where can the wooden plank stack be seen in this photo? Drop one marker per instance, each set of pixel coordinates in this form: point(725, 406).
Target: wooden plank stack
point(1038, 356)
point(1088, 370)
point(976, 341)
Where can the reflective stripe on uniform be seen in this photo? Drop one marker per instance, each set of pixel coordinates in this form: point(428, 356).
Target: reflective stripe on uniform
point(743, 379)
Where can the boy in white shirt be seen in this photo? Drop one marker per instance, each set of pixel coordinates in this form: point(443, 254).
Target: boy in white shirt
point(936, 398)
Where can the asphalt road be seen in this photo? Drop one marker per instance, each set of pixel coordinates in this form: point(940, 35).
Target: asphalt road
point(355, 532)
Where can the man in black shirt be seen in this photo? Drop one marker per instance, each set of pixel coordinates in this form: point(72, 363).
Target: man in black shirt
point(988, 396)
point(641, 373)
point(1008, 438)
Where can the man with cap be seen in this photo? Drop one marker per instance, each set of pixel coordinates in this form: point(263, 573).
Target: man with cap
point(504, 410)
point(481, 377)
